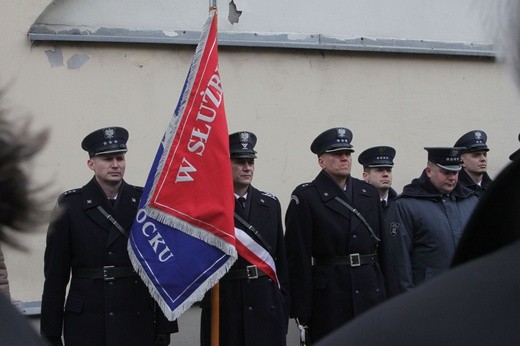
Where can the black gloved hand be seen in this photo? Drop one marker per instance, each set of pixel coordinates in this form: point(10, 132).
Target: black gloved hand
point(162, 339)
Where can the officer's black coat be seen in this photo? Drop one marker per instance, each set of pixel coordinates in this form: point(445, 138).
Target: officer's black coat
point(424, 227)
point(96, 312)
point(392, 195)
point(317, 225)
point(475, 303)
point(254, 312)
point(465, 180)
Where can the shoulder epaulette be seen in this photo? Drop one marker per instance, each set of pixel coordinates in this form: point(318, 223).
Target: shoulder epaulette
point(69, 193)
point(268, 194)
point(138, 188)
point(299, 188)
point(304, 186)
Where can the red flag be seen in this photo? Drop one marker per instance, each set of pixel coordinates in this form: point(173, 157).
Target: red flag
point(183, 240)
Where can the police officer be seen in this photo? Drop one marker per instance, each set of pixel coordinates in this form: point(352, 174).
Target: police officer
point(474, 161)
point(426, 221)
point(333, 231)
point(253, 308)
point(377, 170)
point(107, 303)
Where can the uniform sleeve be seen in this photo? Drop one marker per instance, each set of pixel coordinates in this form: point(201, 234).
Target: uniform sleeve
point(57, 263)
point(282, 270)
point(163, 326)
point(298, 244)
point(399, 229)
point(385, 259)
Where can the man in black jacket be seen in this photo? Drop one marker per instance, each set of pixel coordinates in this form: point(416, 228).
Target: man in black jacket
point(426, 221)
point(474, 159)
point(253, 306)
point(107, 303)
point(377, 171)
point(333, 236)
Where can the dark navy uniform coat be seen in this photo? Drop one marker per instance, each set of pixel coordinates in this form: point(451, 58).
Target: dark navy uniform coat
point(475, 303)
point(317, 225)
point(254, 312)
point(96, 312)
point(424, 228)
point(392, 195)
point(465, 180)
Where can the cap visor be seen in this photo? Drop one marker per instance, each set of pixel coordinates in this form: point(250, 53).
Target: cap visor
point(108, 152)
point(380, 165)
point(339, 149)
point(455, 168)
point(242, 156)
point(477, 148)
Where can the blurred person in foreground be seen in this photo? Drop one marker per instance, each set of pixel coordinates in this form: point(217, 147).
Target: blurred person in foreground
point(4, 281)
point(476, 302)
point(20, 211)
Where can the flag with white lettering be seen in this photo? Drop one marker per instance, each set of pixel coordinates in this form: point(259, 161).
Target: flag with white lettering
point(183, 240)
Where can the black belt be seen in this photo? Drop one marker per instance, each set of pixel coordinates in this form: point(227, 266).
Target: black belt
point(249, 272)
point(107, 273)
point(353, 260)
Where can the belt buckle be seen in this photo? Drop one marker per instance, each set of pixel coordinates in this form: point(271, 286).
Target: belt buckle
point(355, 260)
point(106, 275)
point(252, 272)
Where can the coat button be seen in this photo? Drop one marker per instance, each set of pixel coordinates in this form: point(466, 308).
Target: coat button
point(250, 308)
point(110, 253)
point(356, 291)
point(354, 236)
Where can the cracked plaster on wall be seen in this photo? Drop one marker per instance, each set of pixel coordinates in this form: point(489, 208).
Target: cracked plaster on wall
point(76, 61)
point(55, 56)
point(234, 14)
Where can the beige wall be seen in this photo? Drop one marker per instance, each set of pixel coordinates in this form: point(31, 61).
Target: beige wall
point(286, 97)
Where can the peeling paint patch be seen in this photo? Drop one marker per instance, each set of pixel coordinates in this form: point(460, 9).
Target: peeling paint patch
point(170, 33)
point(299, 37)
point(76, 61)
point(55, 57)
point(234, 14)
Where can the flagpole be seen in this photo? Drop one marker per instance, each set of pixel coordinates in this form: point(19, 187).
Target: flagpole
point(215, 291)
point(215, 315)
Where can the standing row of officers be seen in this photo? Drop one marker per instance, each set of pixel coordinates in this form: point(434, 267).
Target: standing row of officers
point(349, 244)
